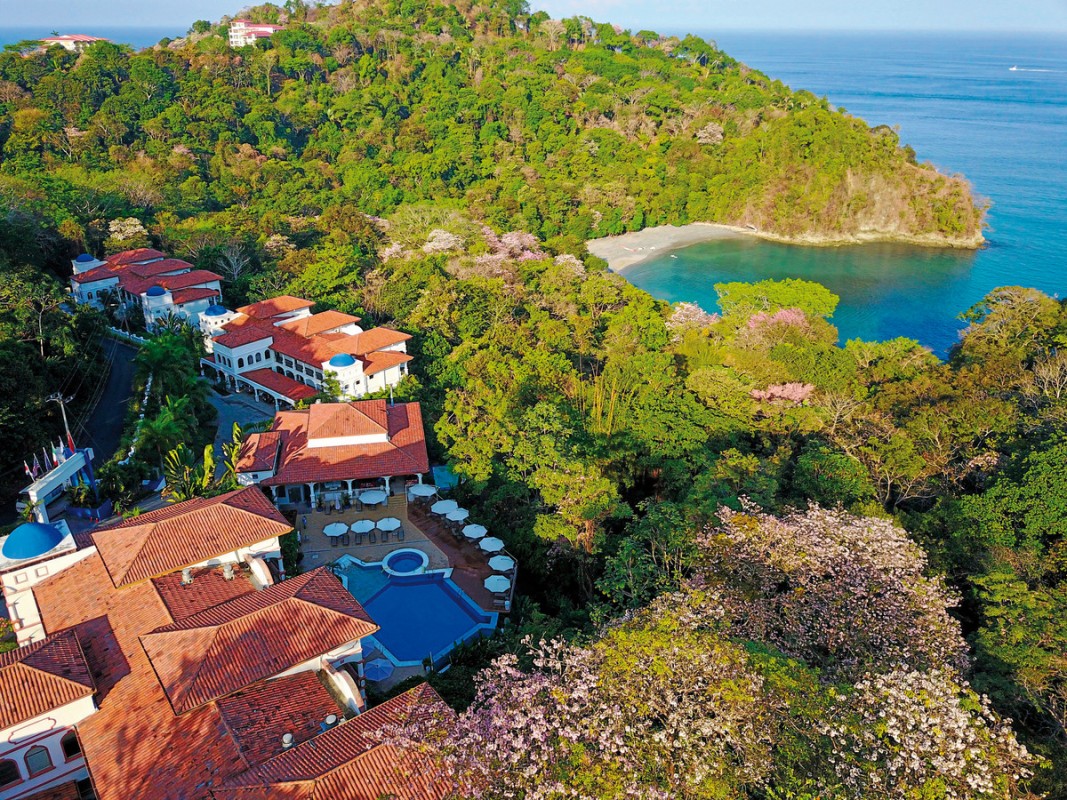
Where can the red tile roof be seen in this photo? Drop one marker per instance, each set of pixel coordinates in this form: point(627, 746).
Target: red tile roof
point(282, 384)
point(182, 296)
point(237, 335)
point(42, 676)
point(352, 761)
point(219, 651)
point(185, 534)
point(338, 420)
point(383, 360)
point(259, 452)
point(376, 339)
point(283, 304)
point(134, 741)
point(74, 37)
point(167, 265)
point(259, 716)
point(403, 454)
point(138, 256)
point(65, 791)
point(184, 280)
point(319, 323)
point(93, 275)
point(208, 589)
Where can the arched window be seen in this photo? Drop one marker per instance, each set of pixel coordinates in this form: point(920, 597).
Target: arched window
point(259, 357)
point(9, 773)
point(38, 760)
point(71, 746)
point(240, 363)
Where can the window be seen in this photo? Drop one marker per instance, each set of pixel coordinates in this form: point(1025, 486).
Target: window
point(9, 773)
point(240, 363)
point(259, 357)
point(38, 760)
point(70, 744)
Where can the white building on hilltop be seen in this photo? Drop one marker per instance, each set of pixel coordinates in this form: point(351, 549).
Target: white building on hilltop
point(162, 287)
point(282, 352)
point(243, 32)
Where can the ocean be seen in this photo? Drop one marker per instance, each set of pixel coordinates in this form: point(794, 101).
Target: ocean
point(136, 37)
point(957, 101)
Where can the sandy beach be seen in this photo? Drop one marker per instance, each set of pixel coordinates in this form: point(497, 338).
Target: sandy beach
point(632, 248)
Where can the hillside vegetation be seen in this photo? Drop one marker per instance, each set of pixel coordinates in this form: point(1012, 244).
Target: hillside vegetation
point(755, 562)
point(568, 129)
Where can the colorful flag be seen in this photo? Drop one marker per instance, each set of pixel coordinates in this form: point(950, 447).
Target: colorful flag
point(28, 471)
point(36, 467)
point(47, 464)
point(70, 443)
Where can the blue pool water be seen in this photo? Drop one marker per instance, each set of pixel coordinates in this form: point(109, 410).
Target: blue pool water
point(404, 562)
point(420, 615)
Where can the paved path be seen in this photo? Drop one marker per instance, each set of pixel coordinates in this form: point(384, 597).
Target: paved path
point(103, 427)
point(239, 408)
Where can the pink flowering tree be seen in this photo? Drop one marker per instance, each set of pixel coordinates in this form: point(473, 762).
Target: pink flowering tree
point(687, 316)
point(923, 734)
point(841, 592)
point(792, 393)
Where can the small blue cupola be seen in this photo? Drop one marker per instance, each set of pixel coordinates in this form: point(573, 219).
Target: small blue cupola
point(31, 539)
point(342, 360)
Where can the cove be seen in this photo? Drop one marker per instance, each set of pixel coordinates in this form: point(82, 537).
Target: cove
point(886, 290)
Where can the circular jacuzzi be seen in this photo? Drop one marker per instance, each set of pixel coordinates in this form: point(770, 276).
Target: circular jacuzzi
point(405, 562)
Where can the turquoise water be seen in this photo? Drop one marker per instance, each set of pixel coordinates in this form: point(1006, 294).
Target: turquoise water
point(960, 106)
point(420, 616)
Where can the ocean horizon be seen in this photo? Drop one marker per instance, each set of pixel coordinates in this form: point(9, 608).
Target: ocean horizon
point(956, 100)
point(136, 36)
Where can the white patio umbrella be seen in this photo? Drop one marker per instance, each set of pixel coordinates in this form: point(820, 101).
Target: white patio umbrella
point(490, 544)
point(422, 490)
point(388, 524)
point(444, 506)
point(362, 526)
point(372, 497)
point(378, 670)
point(458, 515)
point(335, 529)
point(497, 583)
point(502, 563)
point(474, 531)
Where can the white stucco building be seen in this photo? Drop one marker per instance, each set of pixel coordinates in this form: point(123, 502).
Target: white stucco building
point(281, 351)
point(160, 286)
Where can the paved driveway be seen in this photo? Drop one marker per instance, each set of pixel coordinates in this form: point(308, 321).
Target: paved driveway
point(239, 408)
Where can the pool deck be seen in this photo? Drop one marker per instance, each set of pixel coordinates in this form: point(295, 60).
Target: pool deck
point(423, 531)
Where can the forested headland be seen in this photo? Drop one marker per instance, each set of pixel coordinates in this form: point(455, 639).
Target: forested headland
point(757, 562)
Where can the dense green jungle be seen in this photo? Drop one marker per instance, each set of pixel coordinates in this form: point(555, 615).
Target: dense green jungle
point(757, 562)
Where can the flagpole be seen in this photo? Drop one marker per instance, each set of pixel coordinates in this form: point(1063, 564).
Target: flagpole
point(58, 398)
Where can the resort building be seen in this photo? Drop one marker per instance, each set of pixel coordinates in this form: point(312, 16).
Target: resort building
point(75, 42)
point(281, 352)
point(167, 663)
point(243, 32)
point(328, 451)
point(163, 287)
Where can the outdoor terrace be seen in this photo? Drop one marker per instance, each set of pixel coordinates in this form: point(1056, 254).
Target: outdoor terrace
point(423, 531)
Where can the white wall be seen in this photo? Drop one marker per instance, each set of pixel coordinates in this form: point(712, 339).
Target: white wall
point(46, 730)
point(18, 592)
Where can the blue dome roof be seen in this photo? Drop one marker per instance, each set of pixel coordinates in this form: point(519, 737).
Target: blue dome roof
point(31, 539)
point(84, 258)
point(156, 291)
point(342, 360)
point(215, 311)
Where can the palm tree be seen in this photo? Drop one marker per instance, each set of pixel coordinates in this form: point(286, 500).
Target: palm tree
point(161, 434)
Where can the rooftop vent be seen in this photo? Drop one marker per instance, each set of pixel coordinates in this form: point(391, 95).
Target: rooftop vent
point(287, 741)
point(227, 571)
point(329, 722)
point(187, 576)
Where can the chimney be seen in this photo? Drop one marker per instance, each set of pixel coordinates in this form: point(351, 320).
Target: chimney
point(287, 741)
point(187, 576)
point(227, 571)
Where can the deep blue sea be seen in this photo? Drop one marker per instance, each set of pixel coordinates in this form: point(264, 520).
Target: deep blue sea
point(137, 37)
point(958, 103)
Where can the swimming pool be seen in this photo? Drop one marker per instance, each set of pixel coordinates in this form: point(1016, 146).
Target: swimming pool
point(422, 615)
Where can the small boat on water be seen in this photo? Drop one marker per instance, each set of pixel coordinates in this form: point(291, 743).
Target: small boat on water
point(1013, 68)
